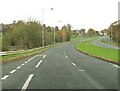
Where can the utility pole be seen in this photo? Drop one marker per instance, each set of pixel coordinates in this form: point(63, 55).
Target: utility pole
point(43, 40)
point(54, 35)
point(42, 28)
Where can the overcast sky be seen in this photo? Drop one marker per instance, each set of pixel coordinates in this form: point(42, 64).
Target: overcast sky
point(97, 14)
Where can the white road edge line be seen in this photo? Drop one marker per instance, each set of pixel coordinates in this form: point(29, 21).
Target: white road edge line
point(74, 64)
point(6, 76)
point(44, 56)
point(116, 66)
point(18, 67)
point(38, 64)
point(26, 62)
point(12, 71)
point(23, 64)
point(27, 82)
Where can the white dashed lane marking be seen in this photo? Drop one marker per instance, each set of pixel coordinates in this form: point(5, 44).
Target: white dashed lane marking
point(66, 57)
point(81, 70)
point(74, 64)
point(38, 64)
point(27, 82)
point(6, 76)
point(44, 56)
point(13, 71)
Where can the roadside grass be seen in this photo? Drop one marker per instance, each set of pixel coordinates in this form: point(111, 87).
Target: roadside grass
point(106, 53)
point(11, 57)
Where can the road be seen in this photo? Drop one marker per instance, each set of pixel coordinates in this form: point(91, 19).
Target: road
point(98, 42)
point(60, 67)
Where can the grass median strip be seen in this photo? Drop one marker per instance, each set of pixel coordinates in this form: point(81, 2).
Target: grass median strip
point(10, 57)
point(100, 52)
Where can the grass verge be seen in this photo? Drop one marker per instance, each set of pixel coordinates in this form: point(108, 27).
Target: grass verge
point(107, 54)
point(12, 57)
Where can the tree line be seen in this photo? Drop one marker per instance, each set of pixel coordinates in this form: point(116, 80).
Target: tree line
point(90, 33)
point(27, 35)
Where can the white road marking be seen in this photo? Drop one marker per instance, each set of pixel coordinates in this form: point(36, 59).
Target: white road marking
point(12, 71)
point(18, 67)
point(26, 62)
point(27, 82)
point(23, 64)
point(81, 70)
point(74, 64)
point(44, 56)
point(36, 55)
point(31, 58)
point(5, 77)
point(38, 64)
point(66, 56)
point(116, 66)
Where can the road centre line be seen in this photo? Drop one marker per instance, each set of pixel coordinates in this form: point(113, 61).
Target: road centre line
point(38, 64)
point(13, 71)
point(81, 70)
point(116, 66)
point(27, 82)
point(74, 64)
point(44, 56)
point(5, 77)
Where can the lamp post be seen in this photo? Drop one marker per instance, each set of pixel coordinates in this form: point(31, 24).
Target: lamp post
point(54, 35)
point(43, 40)
point(53, 29)
point(42, 28)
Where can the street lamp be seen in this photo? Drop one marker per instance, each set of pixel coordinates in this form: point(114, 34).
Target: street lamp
point(42, 28)
point(43, 40)
point(54, 35)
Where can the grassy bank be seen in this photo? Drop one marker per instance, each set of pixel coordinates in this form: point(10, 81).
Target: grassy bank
point(100, 52)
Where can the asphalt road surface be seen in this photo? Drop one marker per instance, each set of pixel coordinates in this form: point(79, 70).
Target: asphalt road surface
point(98, 42)
point(60, 67)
